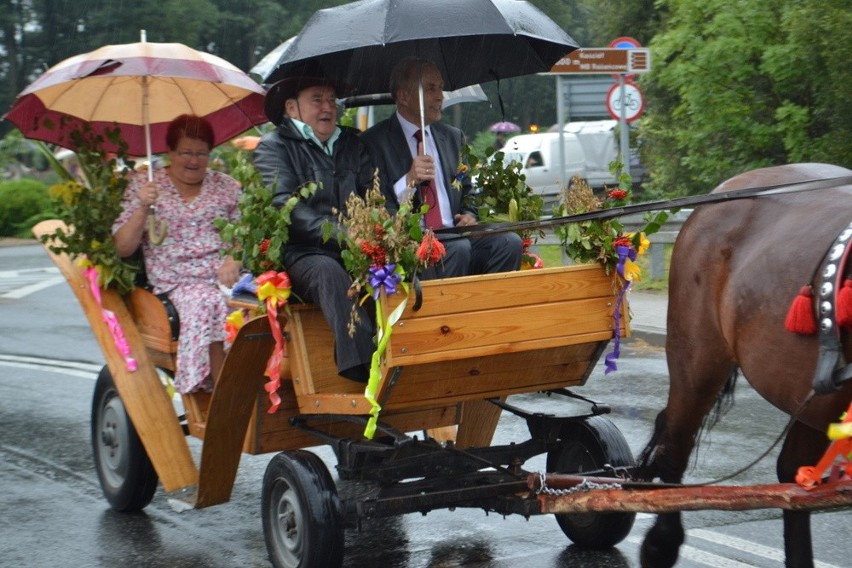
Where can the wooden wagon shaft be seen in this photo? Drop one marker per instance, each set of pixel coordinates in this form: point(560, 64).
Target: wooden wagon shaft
point(484, 229)
point(681, 498)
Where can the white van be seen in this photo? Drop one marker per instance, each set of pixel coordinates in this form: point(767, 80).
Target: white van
point(539, 156)
point(589, 148)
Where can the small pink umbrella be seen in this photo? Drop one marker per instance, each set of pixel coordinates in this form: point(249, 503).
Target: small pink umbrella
point(504, 126)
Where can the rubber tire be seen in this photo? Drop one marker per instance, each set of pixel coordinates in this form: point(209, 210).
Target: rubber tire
point(302, 523)
point(587, 446)
point(128, 479)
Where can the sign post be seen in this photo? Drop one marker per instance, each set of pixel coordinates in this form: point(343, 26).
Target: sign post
point(623, 59)
point(624, 142)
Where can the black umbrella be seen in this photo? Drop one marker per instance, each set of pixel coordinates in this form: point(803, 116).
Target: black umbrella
point(471, 41)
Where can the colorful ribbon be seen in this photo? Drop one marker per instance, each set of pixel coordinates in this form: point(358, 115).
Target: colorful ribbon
point(108, 316)
point(624, 254)
point(274, 288)
point(384, 277)
point(383, 334)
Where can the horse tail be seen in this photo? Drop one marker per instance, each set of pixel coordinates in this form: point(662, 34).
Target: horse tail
point(724, 403)
point(649, 462)
point(646, 468)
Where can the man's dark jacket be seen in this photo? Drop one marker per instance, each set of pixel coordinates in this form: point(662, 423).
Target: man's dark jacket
point(390, 150)
point(288, 160)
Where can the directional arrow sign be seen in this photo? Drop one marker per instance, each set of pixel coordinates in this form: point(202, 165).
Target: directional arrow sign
point(605, 61)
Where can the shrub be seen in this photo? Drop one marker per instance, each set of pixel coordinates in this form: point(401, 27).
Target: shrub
point(23, 202)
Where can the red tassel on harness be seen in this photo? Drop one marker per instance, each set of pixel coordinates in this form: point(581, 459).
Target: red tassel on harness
point(844, 304)
point(800, 317)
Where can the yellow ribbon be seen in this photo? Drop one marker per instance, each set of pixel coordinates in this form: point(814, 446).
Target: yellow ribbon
point(383, 335)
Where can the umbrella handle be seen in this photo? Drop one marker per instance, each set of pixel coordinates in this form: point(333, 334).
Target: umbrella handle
point(157, 230)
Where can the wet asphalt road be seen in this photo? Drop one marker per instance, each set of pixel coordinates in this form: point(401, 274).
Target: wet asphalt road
point(54, 512)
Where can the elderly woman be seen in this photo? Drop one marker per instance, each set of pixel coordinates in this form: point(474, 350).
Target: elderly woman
point(187, 265)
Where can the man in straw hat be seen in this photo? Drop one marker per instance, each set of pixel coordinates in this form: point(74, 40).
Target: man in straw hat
point(309, 146)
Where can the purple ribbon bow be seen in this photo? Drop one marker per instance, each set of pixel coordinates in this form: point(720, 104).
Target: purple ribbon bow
point(384, 276)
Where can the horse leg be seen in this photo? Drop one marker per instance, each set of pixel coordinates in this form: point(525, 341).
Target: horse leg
point(803, 446)
point(696, 382)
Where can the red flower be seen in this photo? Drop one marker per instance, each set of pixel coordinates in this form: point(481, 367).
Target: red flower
point(431, 250)
point(622, 241)
point(617, 194)
point(375, 252)
point(263, 246)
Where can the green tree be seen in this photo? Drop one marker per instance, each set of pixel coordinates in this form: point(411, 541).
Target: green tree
point(734, 90)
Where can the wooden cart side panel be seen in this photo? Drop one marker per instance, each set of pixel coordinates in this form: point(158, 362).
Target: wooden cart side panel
point(231, 409)
point(476, 378)
point(153, 325)
point(142, 393)
point(480, 333)
point(311, 346)
point(509, 289)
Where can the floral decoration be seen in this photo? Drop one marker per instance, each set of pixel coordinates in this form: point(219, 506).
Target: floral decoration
point(605, 241)
point(461, 172)
point(258, 237)
point(598, 240)
point(89, 204)
point(383, 252)
point(505, 196)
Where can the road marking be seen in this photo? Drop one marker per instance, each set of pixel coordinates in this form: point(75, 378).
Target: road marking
point(82, 370)
point(22, 283)
point(24, 291)
point(699, 556)
point(747, 546)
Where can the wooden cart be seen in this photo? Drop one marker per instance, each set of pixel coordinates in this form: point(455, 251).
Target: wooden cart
point(449, 368)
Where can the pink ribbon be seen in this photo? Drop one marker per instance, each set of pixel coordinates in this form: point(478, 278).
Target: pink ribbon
point(109, 318)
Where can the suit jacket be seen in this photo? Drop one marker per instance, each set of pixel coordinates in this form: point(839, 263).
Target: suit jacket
point(389, 149)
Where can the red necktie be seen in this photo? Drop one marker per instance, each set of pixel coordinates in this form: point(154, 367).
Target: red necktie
point(429, 191)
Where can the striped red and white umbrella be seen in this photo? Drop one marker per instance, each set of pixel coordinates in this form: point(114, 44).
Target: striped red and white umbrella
point(139, 87)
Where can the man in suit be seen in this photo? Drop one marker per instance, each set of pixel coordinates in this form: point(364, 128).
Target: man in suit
point(424, 168)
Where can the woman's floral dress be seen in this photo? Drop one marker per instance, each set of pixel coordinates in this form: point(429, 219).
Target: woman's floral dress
point(185, 265)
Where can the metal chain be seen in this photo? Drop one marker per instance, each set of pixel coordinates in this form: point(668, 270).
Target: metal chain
point(581, 487)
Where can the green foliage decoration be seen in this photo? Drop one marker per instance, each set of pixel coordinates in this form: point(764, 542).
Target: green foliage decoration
point(596, 240)
point(258, 238)
point(90, 203)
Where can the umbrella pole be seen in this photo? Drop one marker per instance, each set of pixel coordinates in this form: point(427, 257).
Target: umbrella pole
point(420, 98)
point(156, 230)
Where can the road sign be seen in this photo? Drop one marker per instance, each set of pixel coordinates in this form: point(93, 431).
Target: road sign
point(605, 60)
point(625, 43)
point(633, 101)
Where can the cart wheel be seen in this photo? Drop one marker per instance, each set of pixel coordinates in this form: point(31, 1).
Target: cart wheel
point(127, 476)
point(587, 446)
point(302, 522)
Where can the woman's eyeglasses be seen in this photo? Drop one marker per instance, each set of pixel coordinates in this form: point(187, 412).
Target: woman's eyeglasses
point(186, 155)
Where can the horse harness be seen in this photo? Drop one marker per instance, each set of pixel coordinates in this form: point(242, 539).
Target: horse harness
point(832, 369)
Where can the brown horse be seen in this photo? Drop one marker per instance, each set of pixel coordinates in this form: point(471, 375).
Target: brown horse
point(735, 269)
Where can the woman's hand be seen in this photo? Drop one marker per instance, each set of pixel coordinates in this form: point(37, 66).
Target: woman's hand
point(229, 272)
point(148, 194)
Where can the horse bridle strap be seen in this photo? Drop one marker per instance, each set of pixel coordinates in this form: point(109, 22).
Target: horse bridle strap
point(831, 369)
